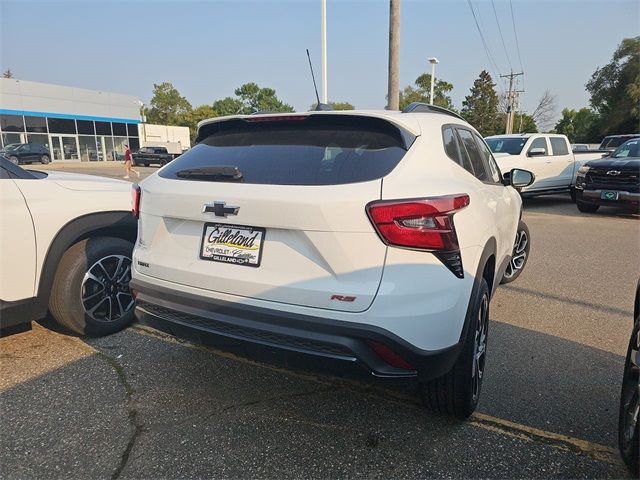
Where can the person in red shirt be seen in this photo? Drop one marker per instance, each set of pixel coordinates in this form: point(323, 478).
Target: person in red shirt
point(127, 162)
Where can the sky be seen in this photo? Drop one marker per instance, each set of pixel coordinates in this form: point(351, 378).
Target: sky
point(208, 48)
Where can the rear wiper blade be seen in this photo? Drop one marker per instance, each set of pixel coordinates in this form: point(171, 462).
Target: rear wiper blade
point(226, 173)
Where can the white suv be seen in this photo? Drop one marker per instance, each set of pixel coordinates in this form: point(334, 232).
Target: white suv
point(372, 240)
point(65, 247)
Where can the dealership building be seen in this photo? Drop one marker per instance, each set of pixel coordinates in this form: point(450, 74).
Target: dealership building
point(77, 124)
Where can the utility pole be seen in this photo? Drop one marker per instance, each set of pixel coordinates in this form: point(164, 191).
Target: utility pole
point(393, 93)
point(323, 41)
point(511, 96)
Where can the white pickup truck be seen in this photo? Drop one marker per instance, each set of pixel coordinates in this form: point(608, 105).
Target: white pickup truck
point(547, 155)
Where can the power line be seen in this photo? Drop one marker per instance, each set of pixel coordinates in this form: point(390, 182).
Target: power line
point(492, 64)
point(504, 46)
point(515, 33)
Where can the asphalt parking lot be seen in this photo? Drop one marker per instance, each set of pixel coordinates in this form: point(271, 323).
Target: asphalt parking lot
point(141, 404)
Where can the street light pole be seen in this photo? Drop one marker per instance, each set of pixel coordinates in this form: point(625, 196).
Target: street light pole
point(433, 61)
point(393, 92)
point(323, 41)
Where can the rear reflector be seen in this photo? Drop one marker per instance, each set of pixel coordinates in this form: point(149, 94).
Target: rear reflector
point(421, 224)
point(389, 356)
point(136, 193)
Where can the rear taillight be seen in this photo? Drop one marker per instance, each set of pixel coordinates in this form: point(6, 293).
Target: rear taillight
point(136, 193)
point(421, 224)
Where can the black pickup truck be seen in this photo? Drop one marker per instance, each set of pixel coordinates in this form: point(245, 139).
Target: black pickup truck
point(150, 155)
point(612, 181)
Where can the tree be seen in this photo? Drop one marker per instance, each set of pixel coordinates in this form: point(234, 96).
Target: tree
point(228, 106)
point(168, 107)
point(545, 111)
point(523, 123)
point(256, 99)
point(480, 107)
point(7, 73)
point(192, 117)
point(615, 90)
point(578, 125)
point(422, 90)
point(335, 106)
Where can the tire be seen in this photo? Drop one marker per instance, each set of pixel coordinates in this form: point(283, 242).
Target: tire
point(628, 429)
point(44, 159)
point(457, 392)
point(146, 164)
point(13, 159)
point(520, 254)
point(91, 281)
point(587, 207)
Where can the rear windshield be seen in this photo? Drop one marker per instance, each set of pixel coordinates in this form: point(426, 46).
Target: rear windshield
point(510, 145)
point(615, 141)
point(306, 150)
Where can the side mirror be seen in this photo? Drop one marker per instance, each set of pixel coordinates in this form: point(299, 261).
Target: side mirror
point(607, 154)
point(534, 152)
point(520, 178)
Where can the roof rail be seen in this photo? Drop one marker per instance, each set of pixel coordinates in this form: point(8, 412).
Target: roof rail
point(426, 108)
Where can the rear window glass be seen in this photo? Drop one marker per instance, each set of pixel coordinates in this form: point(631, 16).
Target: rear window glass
point(309, 150)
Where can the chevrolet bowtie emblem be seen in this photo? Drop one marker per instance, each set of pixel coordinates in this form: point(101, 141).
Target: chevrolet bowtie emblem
point(614, 172)
point(220, 209)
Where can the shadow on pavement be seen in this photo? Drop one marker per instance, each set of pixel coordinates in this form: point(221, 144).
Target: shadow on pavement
point(203, 414)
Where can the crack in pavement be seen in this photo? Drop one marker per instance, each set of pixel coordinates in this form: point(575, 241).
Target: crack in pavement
point(134, 421)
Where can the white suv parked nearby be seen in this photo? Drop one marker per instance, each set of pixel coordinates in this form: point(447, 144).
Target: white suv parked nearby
point(65, 247)
point(371, 240)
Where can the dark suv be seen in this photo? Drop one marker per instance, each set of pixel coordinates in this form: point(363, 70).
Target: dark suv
point(612, 181)
point(26, 153)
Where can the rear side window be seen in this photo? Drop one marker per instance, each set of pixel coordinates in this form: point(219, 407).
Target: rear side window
point(302, 150)
point(489, 162)
point(452, 147)
point(474, 155)
point(559, 146)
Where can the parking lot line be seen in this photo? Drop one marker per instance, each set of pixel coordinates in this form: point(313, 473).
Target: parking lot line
point(490, 423)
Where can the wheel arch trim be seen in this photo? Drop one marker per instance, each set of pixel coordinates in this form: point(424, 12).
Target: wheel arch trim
point(488, 251)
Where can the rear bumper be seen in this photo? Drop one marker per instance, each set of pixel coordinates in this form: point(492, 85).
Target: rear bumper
point(286, 338)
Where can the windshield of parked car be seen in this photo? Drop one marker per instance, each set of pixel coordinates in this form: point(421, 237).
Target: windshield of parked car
point(510, 145)
point(628, 149)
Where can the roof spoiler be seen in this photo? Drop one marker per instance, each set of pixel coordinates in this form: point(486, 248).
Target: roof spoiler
point(426, 108)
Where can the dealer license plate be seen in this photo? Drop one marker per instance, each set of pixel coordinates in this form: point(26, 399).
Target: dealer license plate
point(608, 195)
point(236, 244)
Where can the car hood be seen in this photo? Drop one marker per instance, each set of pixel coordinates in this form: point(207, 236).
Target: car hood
point(79, 181)
point(615, 163)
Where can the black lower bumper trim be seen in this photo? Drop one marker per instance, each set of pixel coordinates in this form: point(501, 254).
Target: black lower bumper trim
point(298, 341)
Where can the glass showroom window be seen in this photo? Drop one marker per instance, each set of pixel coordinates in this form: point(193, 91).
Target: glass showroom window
point(105, 148)
point(132, 129)
point(36, 124)
point(62, 125)
point(38, 138)
point(119, 129)
point(11, 123)
point(88, 150)
point(118, 144)
point(85, 127)
point(103, 128)
point(9, 138)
